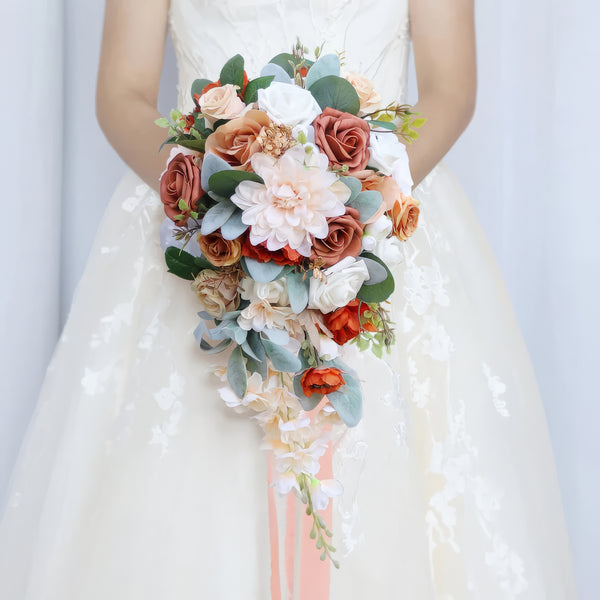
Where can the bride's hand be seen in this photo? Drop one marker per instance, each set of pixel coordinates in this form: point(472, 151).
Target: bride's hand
point(133, 47)
point(443, 36)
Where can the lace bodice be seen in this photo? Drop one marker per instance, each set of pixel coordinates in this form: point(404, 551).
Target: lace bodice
point(374, 34)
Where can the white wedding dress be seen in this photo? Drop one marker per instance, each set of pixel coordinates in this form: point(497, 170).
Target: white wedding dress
point(136, 482)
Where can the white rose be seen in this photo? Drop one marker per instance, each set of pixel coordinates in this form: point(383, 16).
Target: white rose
point(388, 154)
point(288, 104)
point(221, 103)
point(389, 251)
point(343, 280)
point(274, 292)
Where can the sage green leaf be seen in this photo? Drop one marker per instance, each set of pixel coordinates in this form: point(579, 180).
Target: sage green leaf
point(224, 183)
point(354, 184)
point(198, 86)
point(328, 64)
point(233, 71)
point(192, 144)
point(251, 92)
point(233, 227)
point(181, 263)
point(171, 140)
point(298, 291)
point(210, 165)
point(283, 60)
point(281, 359)
point(262, 272)
point(383, 124)
point(280, 75)
point(367, 203)
point(256, 345)
point(377, 272)
point(220, 347)
point(347, 401)
point(237, 375)
point(372, 294)
point(216, 216)
point(337, 93)
point(308, 403)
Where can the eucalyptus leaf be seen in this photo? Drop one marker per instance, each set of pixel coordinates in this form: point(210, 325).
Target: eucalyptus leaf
point(198, 86)
point(216, 216)
point(354, 184)
point(298, 291)
point(251, 91)
point(281, 359)
point(367, 203)
point(237, 375)
point(381, 291)
point(337, 93)
point(210, 165)
point(224, 183)
point(308, 403)
point(181, 263)
point(377, 272)
point(328, 64)
point(277, 72)
point(233, 227)
point(283, 61)
point(233, 71)
point(262, 272)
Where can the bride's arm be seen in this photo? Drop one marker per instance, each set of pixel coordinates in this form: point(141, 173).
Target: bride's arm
point(443, 36)
point(131, 61)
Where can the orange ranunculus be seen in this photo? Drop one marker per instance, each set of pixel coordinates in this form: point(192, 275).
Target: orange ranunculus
point(321, 380)
point(237, 140)
point(405, 217)
point(284, 256)
point(344, 138)
point(344, 323)
point(219, 251)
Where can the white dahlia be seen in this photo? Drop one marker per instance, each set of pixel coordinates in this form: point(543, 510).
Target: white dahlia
point(294, 202)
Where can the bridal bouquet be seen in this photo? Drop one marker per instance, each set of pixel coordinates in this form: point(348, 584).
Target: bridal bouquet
point(287, 197)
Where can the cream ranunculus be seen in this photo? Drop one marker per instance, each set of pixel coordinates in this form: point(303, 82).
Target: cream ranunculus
point(388, 154)
point(221, 103)
point(370, 100)
point(274, 292)
point(341, 284)
point(288, 104)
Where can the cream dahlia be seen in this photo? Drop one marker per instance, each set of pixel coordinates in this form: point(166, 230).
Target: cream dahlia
point(294, 202)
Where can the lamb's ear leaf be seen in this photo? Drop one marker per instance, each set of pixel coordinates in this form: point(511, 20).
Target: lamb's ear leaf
point(262, 272)
point(233, 71)
point(212, 164)
point(282, 359)
point(233, 227)
point(347, 401)
point(308, 403)
point(216, 216)
point(298, 291)
point(237, 375)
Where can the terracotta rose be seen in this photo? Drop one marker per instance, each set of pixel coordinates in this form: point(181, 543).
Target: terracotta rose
point(344, 138)
point(219, 251)
point(181, 180)
point(321, 380)
point(236, 141)
point(405, 217)
point(343, 238)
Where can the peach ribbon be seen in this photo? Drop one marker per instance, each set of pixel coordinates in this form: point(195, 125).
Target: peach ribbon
point(297, 573)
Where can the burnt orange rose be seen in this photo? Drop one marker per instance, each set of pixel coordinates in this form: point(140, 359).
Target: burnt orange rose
point(236, 141)
point(284, 256)
point(219, 251)
point(405, 217)
point(321, 380)
point(343, 238)
point(344, 138)
point(345, 323)
point(181, 181)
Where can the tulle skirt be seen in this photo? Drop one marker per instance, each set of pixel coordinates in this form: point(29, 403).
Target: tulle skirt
point(136, 482)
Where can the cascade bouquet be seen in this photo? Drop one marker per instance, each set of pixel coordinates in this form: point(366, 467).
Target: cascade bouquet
point(287, 197)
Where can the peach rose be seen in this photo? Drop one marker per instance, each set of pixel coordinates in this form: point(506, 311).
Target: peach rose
point(344, 138)
point(370, 100)
point(405, 217)
point(180, 181)
point(385, 185)
point(221, 103)
point(343, 238)
point(236, 141)
point(219, 251)
point(217, 291)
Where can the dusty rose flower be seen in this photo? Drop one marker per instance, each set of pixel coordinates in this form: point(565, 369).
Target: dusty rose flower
point(405, 217)
point(221, 103)
point(344, 138)
point(236, 141)
point(385, 185)
point(343, 239)
point(219, 251)
point(217, 291)
point(180, 181)
point(370, 100)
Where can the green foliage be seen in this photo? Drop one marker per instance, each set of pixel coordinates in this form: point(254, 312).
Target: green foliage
point(198, 86)
point(237, 375)
point(233, 71)
point(286, 61)
point(380, 291)
point(337, 93)
point(183, 264)
point(251, 92)
point(224, 183)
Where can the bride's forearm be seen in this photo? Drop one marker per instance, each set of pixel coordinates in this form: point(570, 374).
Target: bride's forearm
point(128, 123)
point(446, 118)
